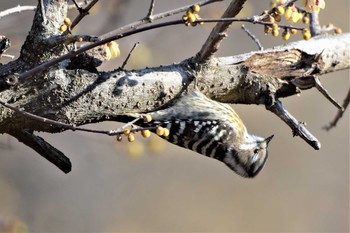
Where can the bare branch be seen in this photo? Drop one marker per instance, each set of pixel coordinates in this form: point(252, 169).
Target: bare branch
point(150, 11)
point(43, 148)
point(340, 113)
point(212, 43)
point(17, 9)
point(128, 57)
point(154, 18)
point(82, 13)
point(256, 40)
point(73, 127)
point(297, 127)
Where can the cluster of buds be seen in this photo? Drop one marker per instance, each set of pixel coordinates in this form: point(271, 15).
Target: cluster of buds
point(191, 16)
point(275, 17)
point(291, 14)
point(308, 5)
point(66, 24)
point(146, 133)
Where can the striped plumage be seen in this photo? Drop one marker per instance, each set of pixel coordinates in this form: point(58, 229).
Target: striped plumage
point(213, 129)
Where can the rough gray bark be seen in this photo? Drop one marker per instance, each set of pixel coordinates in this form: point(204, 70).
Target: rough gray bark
point(78, 96)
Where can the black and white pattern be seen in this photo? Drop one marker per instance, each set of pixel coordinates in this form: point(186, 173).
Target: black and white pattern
point(213, 129)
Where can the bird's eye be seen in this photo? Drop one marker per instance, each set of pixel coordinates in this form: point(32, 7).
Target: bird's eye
point(256, 151)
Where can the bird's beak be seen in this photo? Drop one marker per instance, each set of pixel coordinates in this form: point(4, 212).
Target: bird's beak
point(267, 140)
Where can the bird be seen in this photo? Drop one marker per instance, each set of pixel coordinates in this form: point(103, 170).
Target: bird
point(213, 129)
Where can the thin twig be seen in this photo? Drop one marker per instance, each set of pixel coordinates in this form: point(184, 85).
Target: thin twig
point(62, 39)
point(128, 57)
point(150, 11)
point(256, 40)
point(325, 93)
point(77, 5)
point(154, 18)
point(74, 127)
point(297, 127)
point(308, 81)
point(340, 113)
point(248, 20)
point(82, 13)
point(17, 9)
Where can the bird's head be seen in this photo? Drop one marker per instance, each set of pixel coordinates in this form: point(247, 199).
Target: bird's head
point(248, 158)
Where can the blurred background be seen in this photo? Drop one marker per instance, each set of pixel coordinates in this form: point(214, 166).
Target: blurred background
point(153, 186)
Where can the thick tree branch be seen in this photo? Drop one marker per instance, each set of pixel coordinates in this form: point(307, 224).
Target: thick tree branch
point(248, 79)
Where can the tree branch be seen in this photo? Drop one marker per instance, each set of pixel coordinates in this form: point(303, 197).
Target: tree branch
point(212, 43)
point(43, 148)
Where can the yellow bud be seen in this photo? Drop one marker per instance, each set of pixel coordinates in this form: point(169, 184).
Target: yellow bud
point(107, 52)
point(131, 138)
point(288, 13)
point(295, 17)
point(80, 39)
point(338, 31)
point(293, 31)
point(285, 35)
point(280, 10)
point(268, 19)
point(67, 21)
point(166, 132)
point(63, 28)
point(275, 33)
point(278, 18)
point(306, 34)
point(267, 29)
point(274, 26)
point(196, 8)
point(114, 49)
point(147, 118)
point(197, 16)
point(306, 19)
point(160, 131)
point(191, 17)
point(126, 132)
point(119, 138)
point(146, 133)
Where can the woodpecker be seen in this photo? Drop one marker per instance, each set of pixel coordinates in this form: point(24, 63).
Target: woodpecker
point(213, 129)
